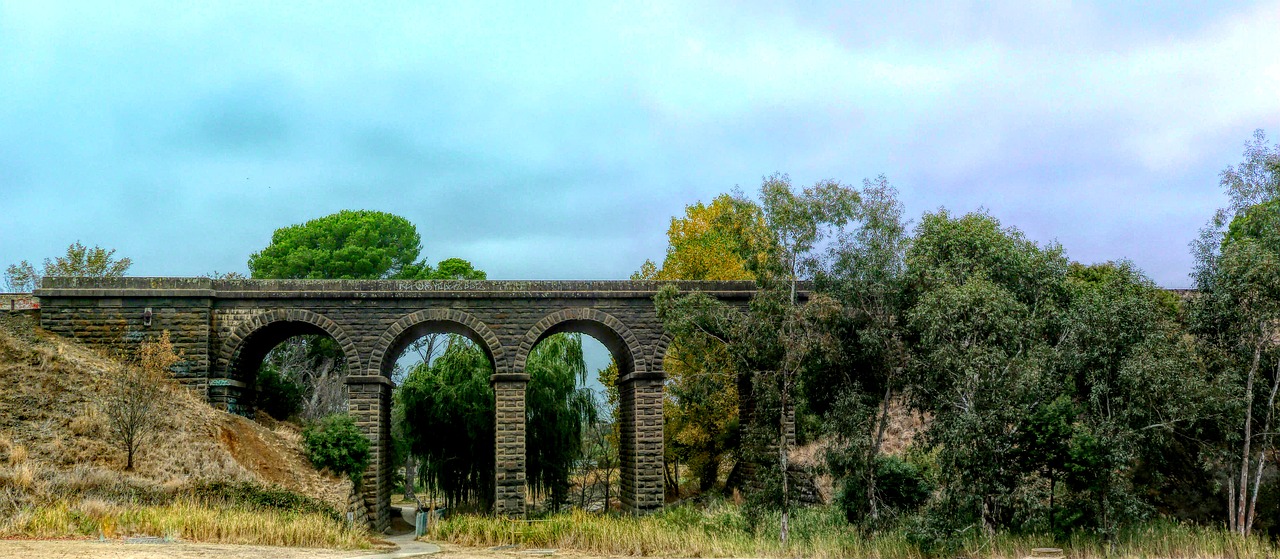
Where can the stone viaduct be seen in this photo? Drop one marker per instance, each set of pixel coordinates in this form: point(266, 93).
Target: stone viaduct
point(224, 328)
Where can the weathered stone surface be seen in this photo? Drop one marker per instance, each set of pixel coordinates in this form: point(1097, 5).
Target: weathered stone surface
point(508, 440)
point(641, 443)
point(225, 327)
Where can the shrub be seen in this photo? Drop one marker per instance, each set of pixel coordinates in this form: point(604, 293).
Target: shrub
point(901, 487)
point(335, 443)
point(278, 395)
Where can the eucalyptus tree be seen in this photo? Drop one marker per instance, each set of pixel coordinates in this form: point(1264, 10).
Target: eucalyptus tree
point(78, 261)
point(855, 384)
point(981, 307)
point(1051, 386)
point(1134, 394)
point(1237, 312)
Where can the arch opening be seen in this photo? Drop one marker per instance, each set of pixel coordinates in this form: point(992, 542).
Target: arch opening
point(574, 425)
point(289, 368)
point(442, 411)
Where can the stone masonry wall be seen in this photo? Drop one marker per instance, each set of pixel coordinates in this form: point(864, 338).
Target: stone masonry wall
point(509, 444)
point(369, 402)
point(641, 452)
point(15, 302)
point(117, 325)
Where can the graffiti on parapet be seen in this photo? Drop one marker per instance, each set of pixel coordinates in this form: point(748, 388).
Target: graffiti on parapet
point(18, 302)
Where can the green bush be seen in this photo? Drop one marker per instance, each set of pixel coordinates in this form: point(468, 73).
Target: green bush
point(335, 443)
point(278, 395)
point(901, 487)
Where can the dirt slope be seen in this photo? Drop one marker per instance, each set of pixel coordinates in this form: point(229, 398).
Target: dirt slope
point(53, 440)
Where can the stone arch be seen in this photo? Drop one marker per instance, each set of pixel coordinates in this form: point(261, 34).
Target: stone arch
point(657, 361)
point(446, 321)
point(622, 344)
point(309, 323)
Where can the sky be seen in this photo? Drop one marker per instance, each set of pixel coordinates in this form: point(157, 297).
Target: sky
point(557, 140)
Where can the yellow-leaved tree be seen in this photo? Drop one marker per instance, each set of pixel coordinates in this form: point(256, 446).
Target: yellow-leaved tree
point(701, 406)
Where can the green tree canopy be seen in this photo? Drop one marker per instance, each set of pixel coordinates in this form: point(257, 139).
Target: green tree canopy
point(1260, 222)
point(336, 444)
point(347, 245)
point(351, 244)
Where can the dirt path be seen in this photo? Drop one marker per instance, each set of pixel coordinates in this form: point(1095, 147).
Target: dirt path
point(23, 549)
point(27, 549)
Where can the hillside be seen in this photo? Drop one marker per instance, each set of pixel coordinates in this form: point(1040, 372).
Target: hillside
point(54, 445)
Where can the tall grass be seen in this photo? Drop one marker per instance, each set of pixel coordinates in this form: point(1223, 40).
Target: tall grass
point(720, 530)
point(185, 519)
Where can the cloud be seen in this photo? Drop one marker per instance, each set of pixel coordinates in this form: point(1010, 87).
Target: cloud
point(558, 140)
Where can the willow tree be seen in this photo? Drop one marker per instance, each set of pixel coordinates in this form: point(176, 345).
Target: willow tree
point(556, 411)
point(448, 410)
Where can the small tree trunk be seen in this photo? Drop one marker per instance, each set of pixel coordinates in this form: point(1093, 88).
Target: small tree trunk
point(1262, 452)
point(874, 451)
point(782, 462)
point(672, 484)
point(1231, 503)
point(675, 478)
point(410, 471)
point(1242, 496)
point(130, 441)
point(608, 482)
point(1053, 484)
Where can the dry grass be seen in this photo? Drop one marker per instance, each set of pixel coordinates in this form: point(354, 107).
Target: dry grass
point(718, 531)
point(721, 531)
point(54, 447)
point(185, 520)
point(48, 390)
